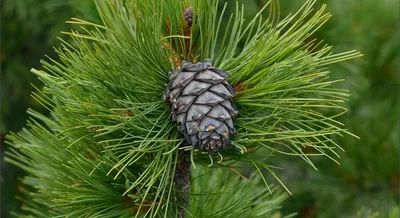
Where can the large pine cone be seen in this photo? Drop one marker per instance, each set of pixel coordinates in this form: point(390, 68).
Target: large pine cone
point(201, 103)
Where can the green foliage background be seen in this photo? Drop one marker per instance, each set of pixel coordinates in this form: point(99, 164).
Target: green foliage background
point(366, 184)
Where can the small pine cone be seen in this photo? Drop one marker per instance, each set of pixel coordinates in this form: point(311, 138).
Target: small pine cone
point(188, 14)
point(201, 103)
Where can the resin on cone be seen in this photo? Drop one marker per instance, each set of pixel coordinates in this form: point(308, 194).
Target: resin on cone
point(201, 103)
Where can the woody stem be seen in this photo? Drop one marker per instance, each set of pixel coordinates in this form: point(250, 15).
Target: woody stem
point(182, 181)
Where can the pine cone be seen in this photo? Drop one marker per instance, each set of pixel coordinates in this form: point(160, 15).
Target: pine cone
point(188, 14)
point(201, 103)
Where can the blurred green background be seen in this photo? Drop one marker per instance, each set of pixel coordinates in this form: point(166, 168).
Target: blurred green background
point(366, 184)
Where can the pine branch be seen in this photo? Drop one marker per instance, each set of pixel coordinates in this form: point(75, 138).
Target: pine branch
point(110, 147)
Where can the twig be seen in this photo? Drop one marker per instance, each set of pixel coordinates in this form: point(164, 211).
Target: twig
point(182, 181)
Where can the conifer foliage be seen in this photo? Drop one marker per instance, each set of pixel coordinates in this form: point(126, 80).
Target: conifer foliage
point(110, 147)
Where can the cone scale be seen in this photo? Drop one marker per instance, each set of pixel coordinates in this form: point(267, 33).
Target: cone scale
point(201, 104)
